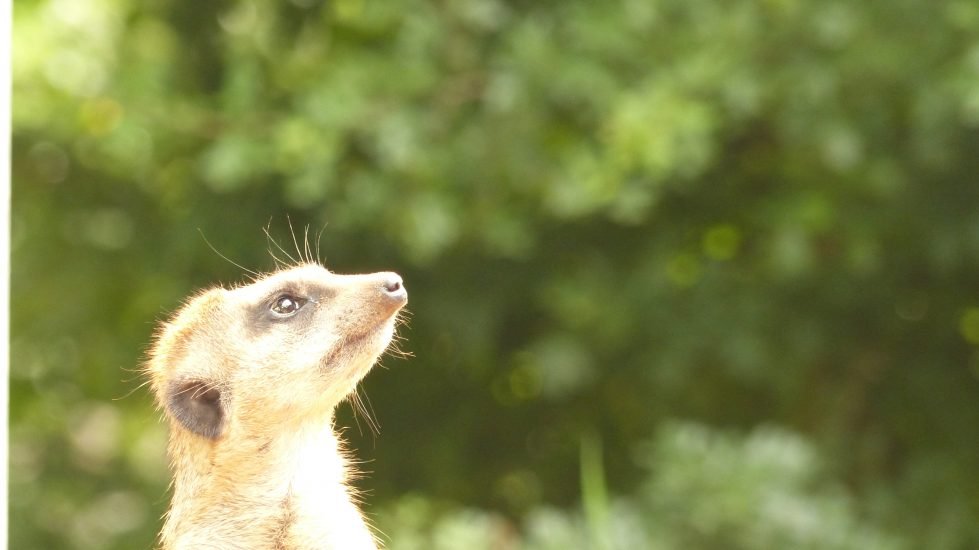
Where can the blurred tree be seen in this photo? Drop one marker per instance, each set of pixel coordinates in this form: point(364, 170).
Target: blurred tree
point(706, 490)
point(609, 215)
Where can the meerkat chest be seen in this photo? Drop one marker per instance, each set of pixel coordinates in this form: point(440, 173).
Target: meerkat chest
point(290, 495)
point(318, 509)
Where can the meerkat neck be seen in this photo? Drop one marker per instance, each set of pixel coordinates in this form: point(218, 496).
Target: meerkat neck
point(286, 491)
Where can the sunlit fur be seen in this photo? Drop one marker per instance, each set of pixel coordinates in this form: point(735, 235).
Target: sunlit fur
point(276, 476)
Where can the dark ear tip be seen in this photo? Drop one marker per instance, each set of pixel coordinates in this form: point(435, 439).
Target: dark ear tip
point(197, 406)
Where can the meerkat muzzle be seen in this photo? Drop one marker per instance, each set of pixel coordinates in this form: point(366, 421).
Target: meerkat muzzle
point(394, 289)
point(384, 292)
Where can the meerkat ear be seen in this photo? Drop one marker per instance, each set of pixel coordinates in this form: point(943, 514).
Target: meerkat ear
point(198, 406)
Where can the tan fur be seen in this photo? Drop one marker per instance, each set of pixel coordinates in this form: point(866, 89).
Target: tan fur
point(276, 476)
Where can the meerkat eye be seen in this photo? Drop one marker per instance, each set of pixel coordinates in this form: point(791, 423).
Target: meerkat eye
point(287, 305)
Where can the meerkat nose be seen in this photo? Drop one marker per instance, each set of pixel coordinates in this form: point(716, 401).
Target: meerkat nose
point(393, 286)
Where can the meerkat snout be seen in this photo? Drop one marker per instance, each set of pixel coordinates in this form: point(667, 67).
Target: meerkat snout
point(249, 378)
point(394, 287)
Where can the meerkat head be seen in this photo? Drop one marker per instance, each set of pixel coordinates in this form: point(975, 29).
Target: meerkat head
point(279, 352)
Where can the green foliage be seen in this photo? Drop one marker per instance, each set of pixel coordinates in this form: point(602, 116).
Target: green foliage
point(608, 215)
point(703, 489)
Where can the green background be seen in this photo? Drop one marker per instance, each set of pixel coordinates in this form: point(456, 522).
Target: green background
point(683, 274)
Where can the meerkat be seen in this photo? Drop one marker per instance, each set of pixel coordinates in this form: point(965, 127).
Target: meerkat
point(248, 379)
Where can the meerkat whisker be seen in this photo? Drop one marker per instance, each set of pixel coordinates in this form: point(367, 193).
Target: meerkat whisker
point(292, 261)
